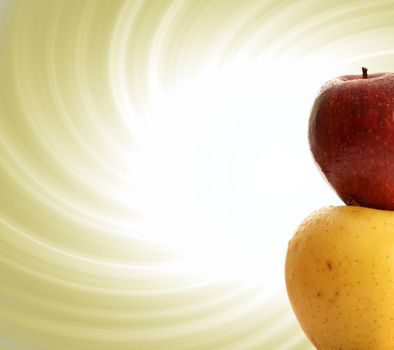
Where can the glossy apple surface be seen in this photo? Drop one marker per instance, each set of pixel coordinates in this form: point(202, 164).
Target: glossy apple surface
point(351, 136)
point(340, 278)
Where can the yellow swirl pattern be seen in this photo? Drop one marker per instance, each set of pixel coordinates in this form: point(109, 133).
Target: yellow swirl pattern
point(144, 199)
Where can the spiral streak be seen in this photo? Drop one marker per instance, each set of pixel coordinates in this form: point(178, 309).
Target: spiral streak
point(153, 164)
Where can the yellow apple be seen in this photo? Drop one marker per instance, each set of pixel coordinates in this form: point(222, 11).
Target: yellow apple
point(340, 278)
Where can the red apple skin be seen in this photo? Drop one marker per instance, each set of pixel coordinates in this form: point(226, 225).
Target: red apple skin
point(351, 136)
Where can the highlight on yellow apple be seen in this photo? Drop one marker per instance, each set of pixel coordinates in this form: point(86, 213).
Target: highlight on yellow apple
point(340, 278)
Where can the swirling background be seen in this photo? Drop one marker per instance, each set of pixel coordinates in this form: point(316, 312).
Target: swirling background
point(154, 164)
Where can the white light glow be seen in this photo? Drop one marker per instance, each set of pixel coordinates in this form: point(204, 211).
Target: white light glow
point(220, 164)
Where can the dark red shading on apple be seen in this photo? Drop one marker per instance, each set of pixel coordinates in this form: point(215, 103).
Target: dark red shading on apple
point(351, 136)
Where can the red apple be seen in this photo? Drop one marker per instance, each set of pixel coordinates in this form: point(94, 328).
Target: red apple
point(351, 136)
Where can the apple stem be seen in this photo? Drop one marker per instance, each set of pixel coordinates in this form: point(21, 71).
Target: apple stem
point(365, 74)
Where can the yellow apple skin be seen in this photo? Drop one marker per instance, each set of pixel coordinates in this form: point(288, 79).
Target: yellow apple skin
point(340, 278)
